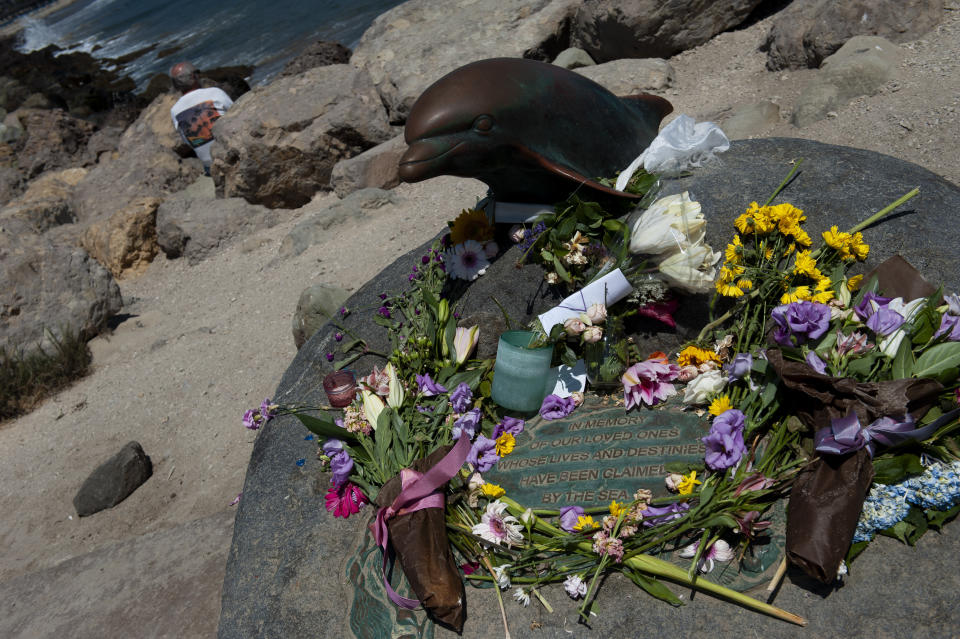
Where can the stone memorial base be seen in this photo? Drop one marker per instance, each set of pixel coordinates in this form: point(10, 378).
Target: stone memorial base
point(296, 571)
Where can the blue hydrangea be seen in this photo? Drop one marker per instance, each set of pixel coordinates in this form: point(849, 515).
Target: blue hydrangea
point(938, 488)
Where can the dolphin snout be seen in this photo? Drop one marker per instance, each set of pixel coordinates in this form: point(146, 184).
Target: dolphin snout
point(425, 158)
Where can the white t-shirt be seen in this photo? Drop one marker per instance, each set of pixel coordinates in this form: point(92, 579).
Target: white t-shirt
point(194, 115)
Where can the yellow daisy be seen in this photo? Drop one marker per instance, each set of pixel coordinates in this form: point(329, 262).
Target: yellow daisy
point(493, 491)
point(727, 289)
point(585, 522)
point(720, 405)
point(854, 282)
point(796, 294)
point(745, 284)
point(804, 264)
point(616, 509)
point(471, 224)
point(694, 356)
point(505, 444)
point(685, 487)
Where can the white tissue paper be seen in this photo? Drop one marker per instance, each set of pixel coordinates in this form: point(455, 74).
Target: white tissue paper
point(563, 381)
point(681, 145)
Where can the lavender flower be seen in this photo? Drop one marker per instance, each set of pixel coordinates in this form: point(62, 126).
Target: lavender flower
point(461, 398)
point(724, 442)
point(341, 465)
point(816, 363)
point(800, 322)
point(569, 515)
point(739, 367)
point(656, 515)
point(555, 407)
point(869, 305)
point(468, 423)
point(885, 321)
point(483, 454)
point(429, 387)
point(252, 419)
point(949, 328)
point(531, 236)
point(384, 312)
point(511, 425)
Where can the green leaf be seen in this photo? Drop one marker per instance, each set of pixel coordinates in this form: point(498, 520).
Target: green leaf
point(903, 361)
point(324, 426)
point(901, 530)
point(861, 367)
point(484, 389)
point(890, 469)
point(654, 587)
point(450, 332)
point(562, 272)
point(546, 255)
point(937, 359)
point(925, 325)
point(856, 549)
point(568, 356)
point(614, 226)
point(937, 518)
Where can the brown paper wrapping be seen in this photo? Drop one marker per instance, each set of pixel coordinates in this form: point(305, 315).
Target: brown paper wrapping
point(827, 497)
point(419, 540)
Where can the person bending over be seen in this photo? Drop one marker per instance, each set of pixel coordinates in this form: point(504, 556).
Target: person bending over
point(196, 110)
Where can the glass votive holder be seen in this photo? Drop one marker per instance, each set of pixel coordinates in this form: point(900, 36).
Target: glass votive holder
point(520, 374)
point(341, 388)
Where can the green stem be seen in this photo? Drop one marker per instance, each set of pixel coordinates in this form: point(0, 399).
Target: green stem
point(882, 212)
point(796, 165)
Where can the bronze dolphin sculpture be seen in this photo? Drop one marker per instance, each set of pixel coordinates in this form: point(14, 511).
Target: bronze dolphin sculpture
point(532, 131)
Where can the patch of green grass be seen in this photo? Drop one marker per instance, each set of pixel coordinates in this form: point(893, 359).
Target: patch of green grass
point(27, 378)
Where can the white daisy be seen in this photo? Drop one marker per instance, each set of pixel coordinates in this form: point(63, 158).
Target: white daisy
point(498, 528)
point(466, 261)
point(521, 596)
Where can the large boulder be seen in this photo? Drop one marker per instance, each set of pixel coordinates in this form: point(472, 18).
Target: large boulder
point(52, 140)
point(859, 67)
point(278, 144)
point(374, 168)
point(47, 202)
point(144, 165)
point(652, 28)
point(631, 75)
point(194, 227)
point(318, 54)
point(808, 31)
point(125, 243)
point(392, 50)
point(50, 286)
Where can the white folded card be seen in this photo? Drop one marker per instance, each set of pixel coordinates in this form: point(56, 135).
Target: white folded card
point(609, 289)
point(566, 380)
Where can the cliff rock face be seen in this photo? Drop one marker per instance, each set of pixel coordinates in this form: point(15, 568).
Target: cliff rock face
point(652, 28)
point(808, 31)
point(278, 144)
point(403, 64)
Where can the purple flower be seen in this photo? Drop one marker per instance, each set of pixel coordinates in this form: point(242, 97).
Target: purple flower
point(384, 312)
point(510, 425)
point(382, 296)
point(340, 463)
point(461, 398)
point(338, 336)
point(329, 357)
point(656, 515)
point(343, 311)
point(483, 454)
point(569, 515)
point(425, 259)
point(885, 321)
point(429, 387)
point(949, 327)
point(555, 407)
point(816, 363)
point(869, 305)
point(724, 442)
point(252, 419)
point(468, 424)
point(424, 409)
point(647, 383)
point(799, 322)
point(739, 367)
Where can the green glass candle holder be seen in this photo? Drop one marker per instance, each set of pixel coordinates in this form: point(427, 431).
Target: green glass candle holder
point(520, 373)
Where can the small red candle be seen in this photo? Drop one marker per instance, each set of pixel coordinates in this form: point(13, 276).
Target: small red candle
point(341, 388)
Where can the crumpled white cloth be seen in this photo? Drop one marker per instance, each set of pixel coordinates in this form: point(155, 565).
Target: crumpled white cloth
point(681, 145)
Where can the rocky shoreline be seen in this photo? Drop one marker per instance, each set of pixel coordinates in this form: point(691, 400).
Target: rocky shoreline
point(306, 172)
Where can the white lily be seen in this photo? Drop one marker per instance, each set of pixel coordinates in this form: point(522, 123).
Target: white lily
point(891, 343)
point(396, 394)
point(672, 222)
point(464, 342)
point(372, 407)
point(692, 270)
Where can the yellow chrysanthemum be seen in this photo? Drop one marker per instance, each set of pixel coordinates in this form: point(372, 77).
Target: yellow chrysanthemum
point(585, 522)
point(492, 491)
point(720, 405)
point(505, 444)
point(685, 487)
point(727, 289)
point(796, 294)
point(836, 239)
point(802, 237)
point(694, 356)
point(745, 284)
point(471, 224)
point(729, 272)
point(746, 223)
point(734, 251)
point(787, 216)
point(824, 291)
point(854, 282)
point(804, 264)
point(857, 248)
point(616, 509)
point(768, 254)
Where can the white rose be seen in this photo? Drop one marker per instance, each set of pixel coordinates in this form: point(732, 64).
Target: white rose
point(592, 334)
point(703, 387)
point(597, 313)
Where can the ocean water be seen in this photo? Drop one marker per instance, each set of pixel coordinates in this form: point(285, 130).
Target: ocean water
point(210, 34)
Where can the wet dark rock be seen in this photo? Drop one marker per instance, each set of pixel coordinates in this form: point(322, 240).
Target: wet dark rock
point(318, 54)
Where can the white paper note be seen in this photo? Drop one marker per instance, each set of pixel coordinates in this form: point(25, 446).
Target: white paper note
point(609, 289)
